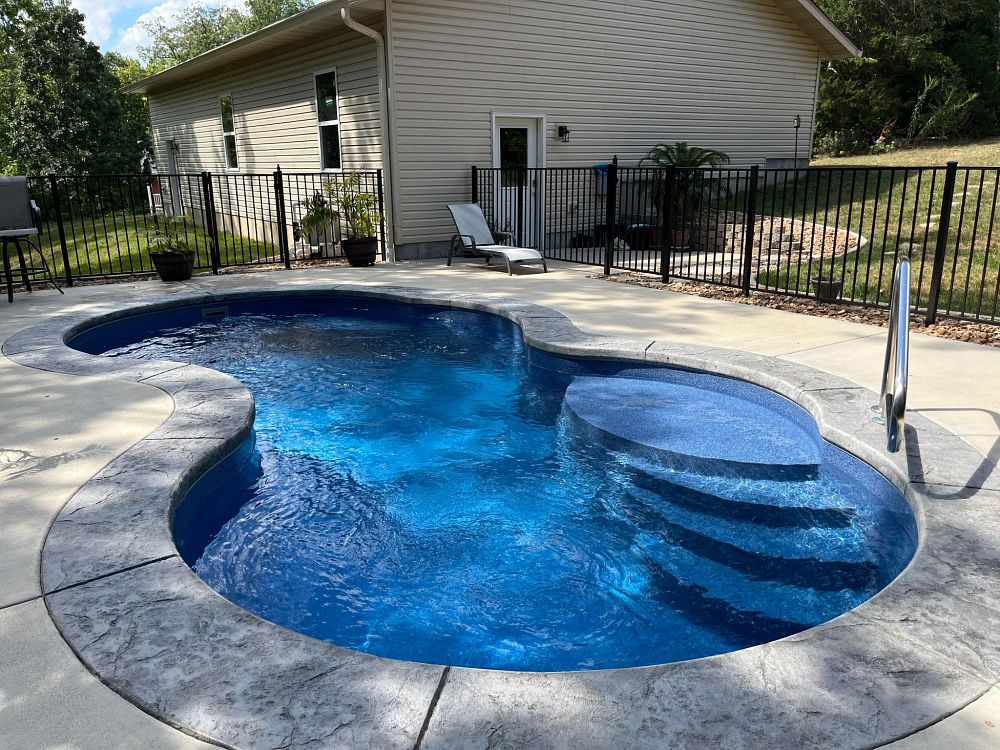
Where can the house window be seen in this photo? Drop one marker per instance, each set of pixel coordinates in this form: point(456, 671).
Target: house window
point(229, 132)
point(328, 116)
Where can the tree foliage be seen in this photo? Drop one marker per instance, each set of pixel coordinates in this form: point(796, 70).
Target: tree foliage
point(63, 113)
point(931, 68)
point(135, 108)
point(200, 28)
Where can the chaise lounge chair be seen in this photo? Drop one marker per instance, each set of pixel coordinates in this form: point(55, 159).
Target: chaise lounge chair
point(475, 238)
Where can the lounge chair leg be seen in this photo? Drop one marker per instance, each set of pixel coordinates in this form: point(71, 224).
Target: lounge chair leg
point(510, 271)
point(545, 266)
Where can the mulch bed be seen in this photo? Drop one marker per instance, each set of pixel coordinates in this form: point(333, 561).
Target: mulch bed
point(986, 334)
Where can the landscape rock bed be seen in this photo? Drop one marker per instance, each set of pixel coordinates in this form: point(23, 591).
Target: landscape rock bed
point(986, 334)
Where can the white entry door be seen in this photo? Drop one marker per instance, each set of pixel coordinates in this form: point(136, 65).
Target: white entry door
point(517, 151)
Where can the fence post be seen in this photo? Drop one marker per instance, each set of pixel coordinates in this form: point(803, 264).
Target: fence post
point(749, 223)
point(57, 208)
point(944, 224)
point(279, 205)
point(208, 203)
point(381, 210)
point(475, 184)
point(667, 219)
point(519, 208)
point(610, 216)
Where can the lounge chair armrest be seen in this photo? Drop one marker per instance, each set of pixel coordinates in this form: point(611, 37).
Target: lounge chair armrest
point(463, 238)
point(507, 235)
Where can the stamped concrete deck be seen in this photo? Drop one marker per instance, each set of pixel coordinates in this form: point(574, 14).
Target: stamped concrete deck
point(60, 430)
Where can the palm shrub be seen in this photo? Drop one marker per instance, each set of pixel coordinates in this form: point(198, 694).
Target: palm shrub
point(689, 190)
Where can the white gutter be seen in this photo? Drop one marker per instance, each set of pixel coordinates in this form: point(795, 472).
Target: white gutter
point(388, 172)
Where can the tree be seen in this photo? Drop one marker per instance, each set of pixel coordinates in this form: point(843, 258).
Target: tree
point(12, 15)
point(64, 113)
point(135, 108)
point(200, 28)
point(931, 69)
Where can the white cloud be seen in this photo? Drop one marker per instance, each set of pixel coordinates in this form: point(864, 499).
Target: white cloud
point(99, 16)
point(113, 25)
point(130, 39)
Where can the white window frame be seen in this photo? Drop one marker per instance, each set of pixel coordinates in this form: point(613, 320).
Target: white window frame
point(320, 124)
point(227, 133)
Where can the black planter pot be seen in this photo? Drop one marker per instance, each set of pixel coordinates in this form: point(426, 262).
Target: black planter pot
point(361, 251)
point(175, 265)
point(828, 289)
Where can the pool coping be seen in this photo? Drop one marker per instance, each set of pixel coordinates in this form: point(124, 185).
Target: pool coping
point(141, 620)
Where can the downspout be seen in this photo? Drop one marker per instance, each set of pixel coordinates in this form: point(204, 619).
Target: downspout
point(388, 173)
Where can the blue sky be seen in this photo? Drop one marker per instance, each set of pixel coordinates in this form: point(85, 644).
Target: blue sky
point(115, 25)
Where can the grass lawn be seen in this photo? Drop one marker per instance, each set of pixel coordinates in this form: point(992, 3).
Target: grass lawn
point(898, 210)
point(120, 243)
point(982, 153)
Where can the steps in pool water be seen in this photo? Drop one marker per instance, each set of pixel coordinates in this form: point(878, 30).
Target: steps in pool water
point(729, 602)
point(725, 426)
point(731, 586)
point(808, 570)
point(747, 569)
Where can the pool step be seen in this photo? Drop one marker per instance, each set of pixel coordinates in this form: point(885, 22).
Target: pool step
point(719, 598)
point(706, 424)
point(771, 515)
point(802, 572)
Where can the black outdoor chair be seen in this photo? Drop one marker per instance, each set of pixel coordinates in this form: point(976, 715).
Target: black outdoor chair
point(20, 221)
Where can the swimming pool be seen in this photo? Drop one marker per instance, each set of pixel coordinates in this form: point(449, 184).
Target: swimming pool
point(421, 485)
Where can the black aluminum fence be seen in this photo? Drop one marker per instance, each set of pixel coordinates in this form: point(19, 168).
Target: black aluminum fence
point(106, 225)
point(827, 232)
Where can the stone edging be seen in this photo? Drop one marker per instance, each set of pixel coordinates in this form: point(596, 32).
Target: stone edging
point(147, 626)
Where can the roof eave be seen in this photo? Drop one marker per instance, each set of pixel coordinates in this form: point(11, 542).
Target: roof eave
point(834, 43)
point(245, 44)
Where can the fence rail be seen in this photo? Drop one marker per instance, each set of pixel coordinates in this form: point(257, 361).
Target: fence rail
point(106, 225)
point(828, 232)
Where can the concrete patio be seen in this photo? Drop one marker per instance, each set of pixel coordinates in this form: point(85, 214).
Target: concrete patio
point(60, 430)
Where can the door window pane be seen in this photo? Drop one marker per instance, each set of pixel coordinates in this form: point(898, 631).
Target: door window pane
point(513, 155)
point(330, 145)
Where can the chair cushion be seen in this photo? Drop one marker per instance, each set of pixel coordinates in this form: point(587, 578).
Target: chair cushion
point(513, 254)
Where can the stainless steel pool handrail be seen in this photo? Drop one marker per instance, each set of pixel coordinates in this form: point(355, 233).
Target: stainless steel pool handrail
point(897, 357)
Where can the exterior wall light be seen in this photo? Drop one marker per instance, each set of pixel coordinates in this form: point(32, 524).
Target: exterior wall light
point(563, 132)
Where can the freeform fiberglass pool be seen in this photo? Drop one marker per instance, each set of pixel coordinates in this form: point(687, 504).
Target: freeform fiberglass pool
point(422, 485)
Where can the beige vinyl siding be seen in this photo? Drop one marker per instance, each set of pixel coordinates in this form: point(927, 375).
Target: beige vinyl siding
point(275, 110)
point(623, 75)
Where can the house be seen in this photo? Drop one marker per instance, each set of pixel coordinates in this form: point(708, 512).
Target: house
point(425, 89)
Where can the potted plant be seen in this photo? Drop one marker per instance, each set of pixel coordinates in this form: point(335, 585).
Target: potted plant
point(359, 211)
point(828, 288)
point(317, 220)
point(172, 257)
point(688, 190)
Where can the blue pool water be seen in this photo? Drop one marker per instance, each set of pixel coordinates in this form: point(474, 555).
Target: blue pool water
point(419, 486)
